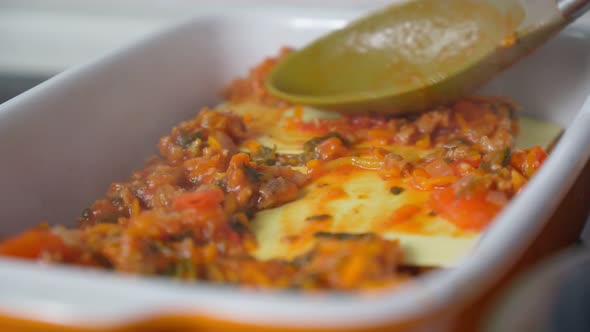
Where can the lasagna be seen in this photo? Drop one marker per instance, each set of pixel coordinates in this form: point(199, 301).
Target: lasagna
point(261, 193)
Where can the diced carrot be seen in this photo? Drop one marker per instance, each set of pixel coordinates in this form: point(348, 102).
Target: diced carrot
point(248, 118)
point(461, 121)
point(439, 181)
point(298, 112)
point(331, 148)
point(403, 214)
point(314, 168)
point(518, 181)
point(32, 243)
point(240, 159)
point(135, 208)
point(527, 162)
point(252, 145)
point(380, 136)
point(424, 142)
point(420, 172)
point(352, 271)
point(198, 199)
point(213, 143)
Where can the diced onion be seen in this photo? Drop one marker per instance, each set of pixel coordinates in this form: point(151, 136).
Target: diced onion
point(438, 167)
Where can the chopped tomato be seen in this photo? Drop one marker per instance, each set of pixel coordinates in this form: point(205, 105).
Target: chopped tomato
point(199, 199)
point(32, 244)
point(471, 211)
point(527, 162)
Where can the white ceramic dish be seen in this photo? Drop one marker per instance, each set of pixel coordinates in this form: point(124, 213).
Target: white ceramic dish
point(63, 142)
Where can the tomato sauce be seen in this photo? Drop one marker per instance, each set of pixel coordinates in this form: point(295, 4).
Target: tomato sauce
point(187, 214)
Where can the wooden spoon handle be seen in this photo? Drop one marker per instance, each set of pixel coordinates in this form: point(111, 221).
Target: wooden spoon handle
point(573, 9)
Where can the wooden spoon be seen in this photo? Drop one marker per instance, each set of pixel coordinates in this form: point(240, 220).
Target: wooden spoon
point(414, 55)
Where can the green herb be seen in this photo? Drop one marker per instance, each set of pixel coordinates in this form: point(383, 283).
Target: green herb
point(185, 234)
point(169, 271)
point(102, 260)
point(455, 142)
point(86, 214)
point(107, 217)
point(184, 139)
point(265, 155)
point(221, 184)
point(290, 159)
point(302, 260)
point(252, 174)
point(318, 217)
point(506, 157)
point(118, 201)
point(181, 269)
point(309, 146)
point(396, 190)
point(485, 165)
point(237, 226)
point(185, 269)
point(343, 236)
point(157, 247)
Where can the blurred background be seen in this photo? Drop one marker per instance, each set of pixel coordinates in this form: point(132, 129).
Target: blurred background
point(40, 38)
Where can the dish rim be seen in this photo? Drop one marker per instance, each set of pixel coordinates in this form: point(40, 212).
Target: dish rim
point(429, 293)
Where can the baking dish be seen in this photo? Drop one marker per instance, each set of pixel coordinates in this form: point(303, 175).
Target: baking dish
point(53, 136)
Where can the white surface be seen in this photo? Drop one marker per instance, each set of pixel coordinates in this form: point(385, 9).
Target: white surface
point(67, 140)
point(40, 38)
point(37, 42)
point(45, 37)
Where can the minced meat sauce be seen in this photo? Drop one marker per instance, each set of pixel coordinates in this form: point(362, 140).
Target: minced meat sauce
point(188, 213)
